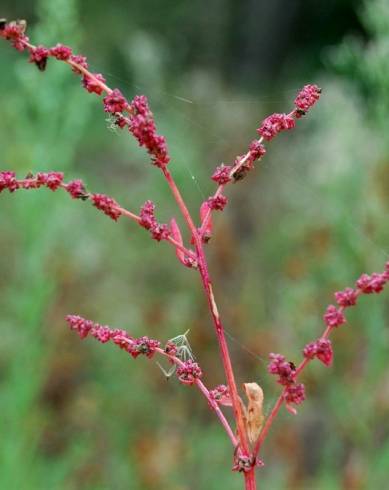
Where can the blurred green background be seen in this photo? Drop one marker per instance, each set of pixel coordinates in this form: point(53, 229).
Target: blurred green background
point(308, 221)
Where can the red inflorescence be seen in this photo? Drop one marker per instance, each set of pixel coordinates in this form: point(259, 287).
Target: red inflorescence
point(347, 297)
point(295, 393)
point(61, 52)
point(221, 394)
point(282, 368)
point(334, 317)
point(145, 346)
point(306, 98)
point(143, 128)
point(189, 372)
point(102, 333)
point(257, 150)
point(8, 181)
point(76, 189)
point(372, 284)
point(39, 56)
point(54, 180)
point(321, 349)
point(217, 203)
point(80, 60)
point(222, 174)
point(106, 204)
point(170, 348)
point(115, 102)
point(147, 220)
point(92, 85)
point(14, 32)
point(82, 326)
point(274, 124)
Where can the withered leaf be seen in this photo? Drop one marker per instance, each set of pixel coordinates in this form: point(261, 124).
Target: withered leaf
point(254, 411)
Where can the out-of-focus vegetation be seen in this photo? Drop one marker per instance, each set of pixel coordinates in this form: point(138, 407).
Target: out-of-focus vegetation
point(307, 222)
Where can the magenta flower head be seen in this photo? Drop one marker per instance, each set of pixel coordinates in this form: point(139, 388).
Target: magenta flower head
point(306, 98)
point(347, 297)
point(115, 102)
point(61, 52)
point(8, 181)
point(279, 366)
point(39, 56)
point(189, 372)
point(274, 124)
point(334, 317)
point(321, 349)
point(222, 174)
point(107, 205)
point(80, 325)
point(92, 85)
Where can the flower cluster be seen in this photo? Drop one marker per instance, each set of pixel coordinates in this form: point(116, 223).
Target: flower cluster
point(221, 395)
point(51, 180)
point(15, 33)
point(148, 221)
point(221, 174)
point(107, 205)
point(306, 98)
point(140, 121)
point(333, 317)
point(280, 367)
point(189, 372)
point(321, 349)
point(217, 203)
point(115, 102)
point(135, 347)
point(93, 83)
point(274, 124)
point(286, 372)
point(39, 56)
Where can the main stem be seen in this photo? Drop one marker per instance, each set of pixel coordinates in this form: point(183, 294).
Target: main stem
point(225, 355)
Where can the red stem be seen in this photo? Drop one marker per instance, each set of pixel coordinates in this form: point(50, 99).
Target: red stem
point(206, 281)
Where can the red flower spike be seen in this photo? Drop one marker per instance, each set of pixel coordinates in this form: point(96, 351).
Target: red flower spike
point(281, 368)
point(39, 56)
point(217, 203)
point(334, 317)
point(160, 232)
point(8, 181)
point(115, 102)
point(221, 395)
point(107, 205)
point(147, 218)
point(61, 52)
point(91, 85)
point(54, 180)
point(77, 189)
point(306, 98)
point(347, 297)
point(257, 150)
point(295, 393)
point(372, 284)
point(82, 326)
point(170, 348)
point(274, 124)
point(80, 60)
point(189, 372)
point(321, 349)
point(222, 174)
point(145, 346)
point(101, 333)
point(14, 32)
